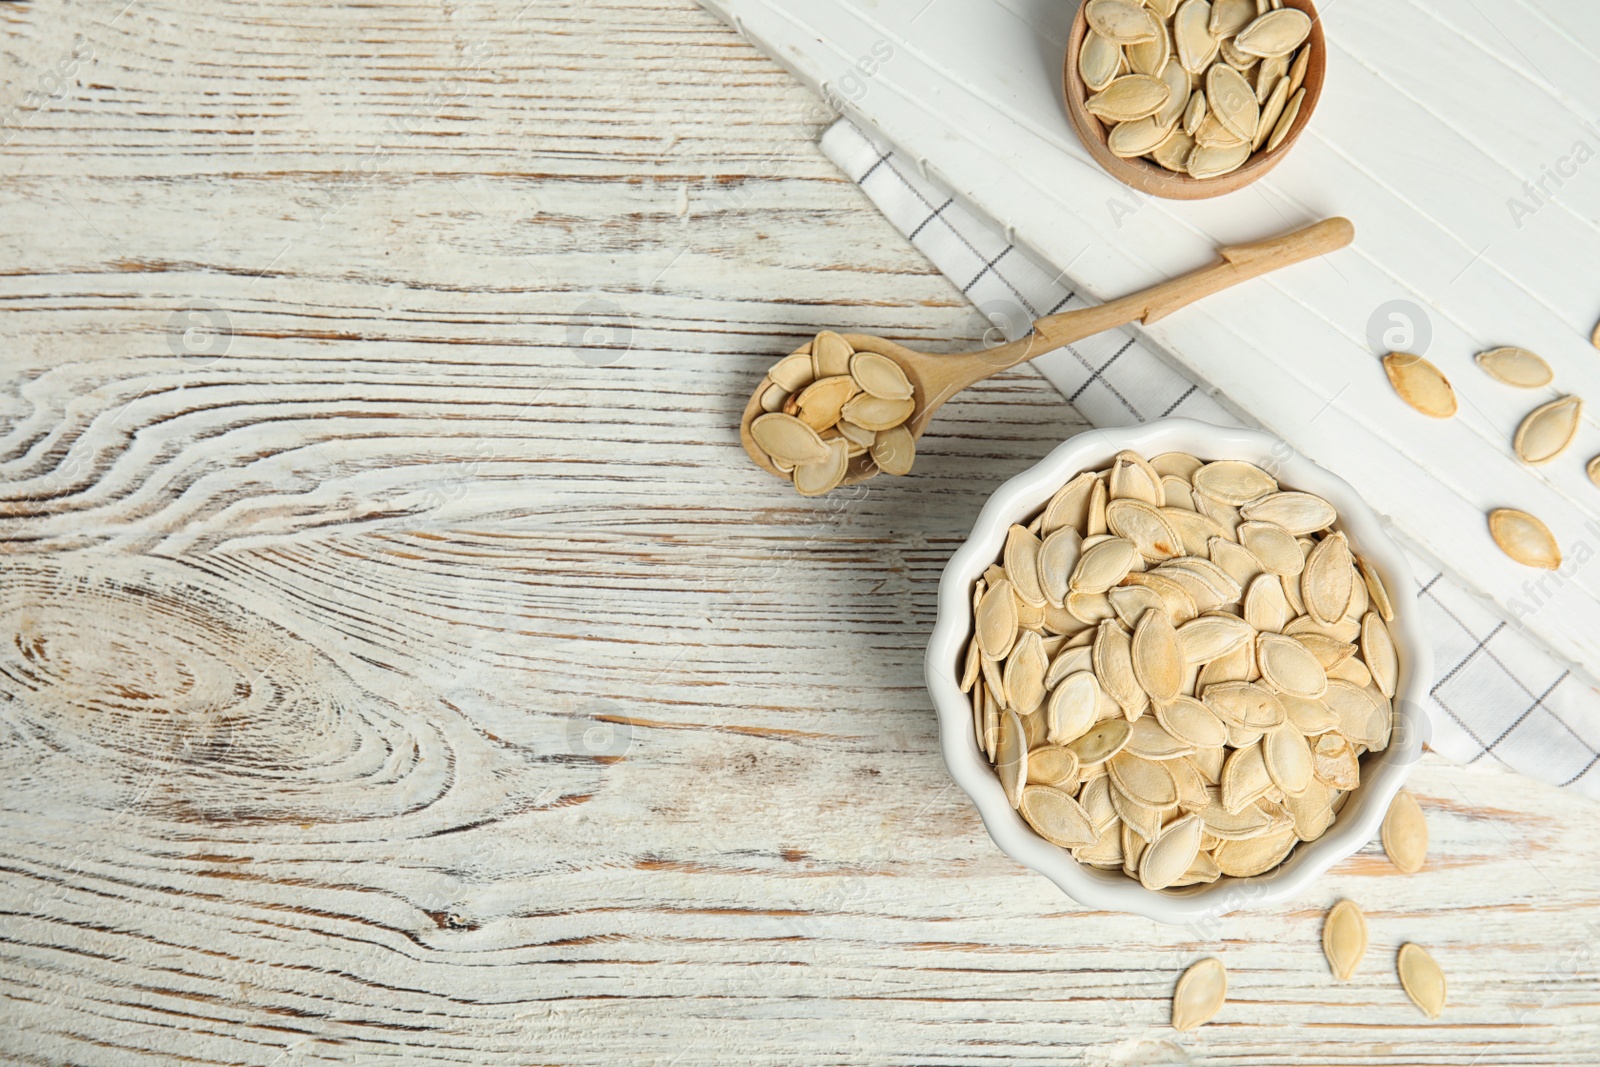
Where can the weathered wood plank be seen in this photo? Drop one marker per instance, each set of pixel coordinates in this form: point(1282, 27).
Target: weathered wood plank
point(401, 687)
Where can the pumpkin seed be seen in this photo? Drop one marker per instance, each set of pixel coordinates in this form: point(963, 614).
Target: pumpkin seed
point(1422, 979)
point(1233, 103)
point(1054, 766)
point(1548, 430)
point(1287, 758)
point(1378, 653)
point(1149, 57)
point(1164, 862)
point(1137, 138)
point(1011, 757)
point(1190, 721)
point(1524, 538)
point(1234, 481)
point(1271, 111)
point(1206, 162)
point(1204, 987)
point(1245, 778)
point(1269, 76)
point(1296, 512)
point(1072, 709)
point(1176, 80)
point(1311, 811)
point(786, 437)
point(1121, 21)
point(1132, 96)
point(814, 479)
point(1103, 565)
point(1147, 781)
point(997, 620)
point(1594, 470)
point(1173, 153)
point(1099, 60)
point(1057, 558)
point(1056, 817)
point(880, 376)
point(1328, 581)
point(1102, 741)
point(774, 397)
point(1158, 660)
point(894, 450)
point(1289, 666)
point(1212, 636)
point(793, 372)
point(819, 404)
point(1195, 112)
point(1405, 833)
point(1265, 606)
point(1344, 939)
point(1515, 366)
point(1257, 855)
point(1276, 33)
point(830, 355)
point(1291, 112)
point(1146, 527)
point(1228, 17)
point(1191, 35)
point(1297, 70)
point(1021, 558)
point(1194, 528)
point(1420, 384)
point(1070, 506)
point(875, 413)
point(1024, 673)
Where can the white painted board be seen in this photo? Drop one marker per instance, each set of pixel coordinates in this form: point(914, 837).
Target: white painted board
point(1459, 138)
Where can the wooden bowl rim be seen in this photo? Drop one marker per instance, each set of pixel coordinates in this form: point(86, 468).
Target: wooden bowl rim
point(1156, 180)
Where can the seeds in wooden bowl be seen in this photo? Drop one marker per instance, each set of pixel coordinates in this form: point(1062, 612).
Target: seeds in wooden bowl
point(1195, 87)
point(828, 404)
point(1203, 651)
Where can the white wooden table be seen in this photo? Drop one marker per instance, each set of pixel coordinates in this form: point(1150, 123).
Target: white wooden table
point(386, 680)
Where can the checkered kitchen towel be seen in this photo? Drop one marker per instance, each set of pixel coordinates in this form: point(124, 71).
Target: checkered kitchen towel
point(1499, 695)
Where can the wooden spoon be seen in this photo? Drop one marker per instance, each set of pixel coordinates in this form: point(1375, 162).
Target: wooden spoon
point(936, 378)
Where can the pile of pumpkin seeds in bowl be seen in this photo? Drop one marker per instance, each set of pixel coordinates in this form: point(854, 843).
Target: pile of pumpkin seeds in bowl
point(1176, 667)
point(827, 404)
point(1196, 87)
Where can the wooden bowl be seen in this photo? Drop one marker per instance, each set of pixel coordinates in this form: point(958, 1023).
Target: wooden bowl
point(1150, 178)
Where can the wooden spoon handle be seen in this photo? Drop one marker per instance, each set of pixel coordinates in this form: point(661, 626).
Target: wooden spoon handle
point(1238, 263)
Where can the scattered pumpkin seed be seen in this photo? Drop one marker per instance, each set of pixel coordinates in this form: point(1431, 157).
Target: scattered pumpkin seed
point(1405, 833)
point(1524, 538)
point(1344, 939)
point(1420, 384)
point(1421, 978)
point(1203, 988)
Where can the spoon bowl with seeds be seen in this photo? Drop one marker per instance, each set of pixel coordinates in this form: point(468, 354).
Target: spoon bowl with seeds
point(844, 407)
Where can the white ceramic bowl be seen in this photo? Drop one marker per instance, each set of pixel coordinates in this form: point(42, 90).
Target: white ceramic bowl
point(1382, 773)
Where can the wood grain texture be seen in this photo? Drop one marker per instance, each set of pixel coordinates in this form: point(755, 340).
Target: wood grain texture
point(405, 684)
